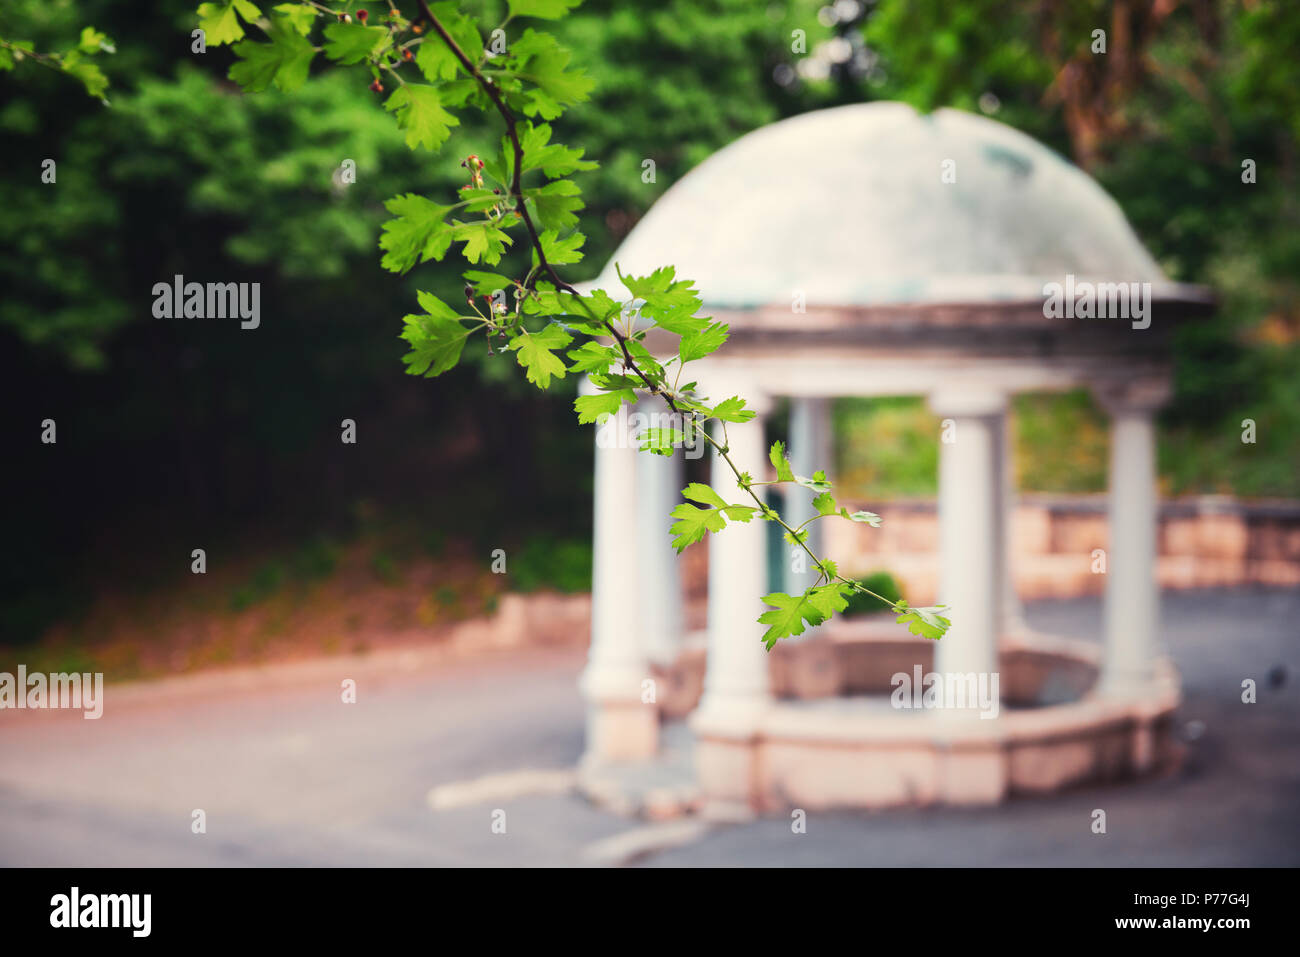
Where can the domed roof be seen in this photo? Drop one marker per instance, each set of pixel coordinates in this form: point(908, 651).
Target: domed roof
point(848, 206)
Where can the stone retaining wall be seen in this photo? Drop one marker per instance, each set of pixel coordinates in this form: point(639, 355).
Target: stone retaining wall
point(1203, 542)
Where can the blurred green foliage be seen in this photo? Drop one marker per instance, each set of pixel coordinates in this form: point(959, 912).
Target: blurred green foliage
point(185, 172)
point(546, 562)
point(264, 582)
point(883, 584)
point(888, 448)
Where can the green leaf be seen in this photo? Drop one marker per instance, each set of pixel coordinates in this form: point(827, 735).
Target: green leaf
point(732, 410)
point(556, 204)
point(643, 287)
point(90, 75)
point(542, 9)
point(418, 234)
point(780, 462)
point(546, 301)
point(435, 307)
point(661, 441)
point(679, 320)
point(789, 613)
point(826, 504)
point(353, 42)
point(534, 352)
point(704, 494)
point(648, 364)
point(669, 303)
point(92, 41)
point(608, 383)
point(300, 16)
point(828, 599)
point(785, 619)
point(551, 158)
point(539, 58)
point(436, 344)
point(434, 57)
point(484, 241)
point(591, 408)
point(420, 113)
point(459, 92)
point(697, 345)
point(592, 357)
point(602, 305)
point(870, 518)
point(560, 252)
point(486, 283)
point(692, 524)
point(818, 482)
point(219, 23)
point(926, 622)
point(479, 199)
point(285, 61)
point(7, 55)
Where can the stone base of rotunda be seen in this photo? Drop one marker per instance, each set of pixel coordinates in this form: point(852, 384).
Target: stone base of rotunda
point(861, 751)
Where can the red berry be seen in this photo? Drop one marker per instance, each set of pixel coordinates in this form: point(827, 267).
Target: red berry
point(361, 15)
point(406, 55)
point(377, 86)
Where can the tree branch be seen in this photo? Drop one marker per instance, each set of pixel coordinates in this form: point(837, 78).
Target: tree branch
point(494, 94)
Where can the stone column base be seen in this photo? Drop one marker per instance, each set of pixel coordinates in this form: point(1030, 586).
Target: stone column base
point(726, 773)
point(680, 683)
point(620, 731)
point(726, 757)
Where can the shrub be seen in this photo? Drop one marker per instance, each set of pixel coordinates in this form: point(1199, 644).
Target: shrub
point(546, 563)
point(884, 585)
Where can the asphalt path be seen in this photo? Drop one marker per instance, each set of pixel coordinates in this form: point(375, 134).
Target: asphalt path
point(287, 774)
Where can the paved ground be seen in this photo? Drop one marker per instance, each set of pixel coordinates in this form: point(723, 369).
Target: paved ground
point(289, 775)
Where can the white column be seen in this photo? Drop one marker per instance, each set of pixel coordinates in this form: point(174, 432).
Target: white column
point(810, 450)
point(737, 690)
point(736, 683)
point(1011, 614)
point(1132, 593)
point(969, 519)
point(659, 483)
point(619, 725)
